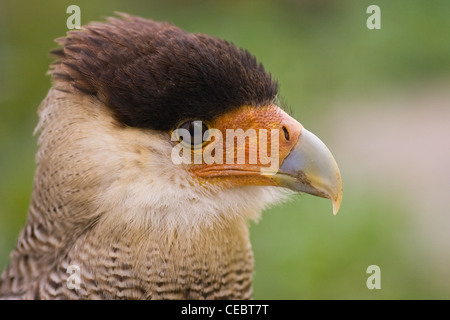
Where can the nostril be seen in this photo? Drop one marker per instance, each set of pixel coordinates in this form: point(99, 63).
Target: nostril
point(286, 133)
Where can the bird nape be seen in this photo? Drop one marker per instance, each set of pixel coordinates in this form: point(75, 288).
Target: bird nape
point(156, 147)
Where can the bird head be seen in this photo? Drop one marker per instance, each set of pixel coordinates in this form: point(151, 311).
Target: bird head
point(148, 124)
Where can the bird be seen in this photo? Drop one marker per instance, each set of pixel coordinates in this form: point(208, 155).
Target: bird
point(117, 210)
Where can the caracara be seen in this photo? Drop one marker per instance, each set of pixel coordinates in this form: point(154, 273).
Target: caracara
point(139, 186)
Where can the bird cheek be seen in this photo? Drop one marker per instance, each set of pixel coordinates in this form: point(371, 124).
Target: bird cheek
point(247, 146)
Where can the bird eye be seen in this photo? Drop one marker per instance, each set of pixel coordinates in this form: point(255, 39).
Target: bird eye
point(197, 131)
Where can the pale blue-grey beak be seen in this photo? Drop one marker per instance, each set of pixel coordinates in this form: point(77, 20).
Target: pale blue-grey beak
point(310, 167)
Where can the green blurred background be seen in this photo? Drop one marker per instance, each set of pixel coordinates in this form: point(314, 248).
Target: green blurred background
point(379, 99)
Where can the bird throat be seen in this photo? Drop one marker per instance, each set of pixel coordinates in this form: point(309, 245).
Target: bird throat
point(205, 264)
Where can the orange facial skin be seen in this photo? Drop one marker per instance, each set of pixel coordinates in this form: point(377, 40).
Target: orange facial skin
point(232, 172)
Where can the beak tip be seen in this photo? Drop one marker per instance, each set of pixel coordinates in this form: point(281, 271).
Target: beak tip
point(336, 205)
point(337, 198)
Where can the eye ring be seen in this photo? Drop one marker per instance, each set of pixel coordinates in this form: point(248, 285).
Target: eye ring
point(196, 130)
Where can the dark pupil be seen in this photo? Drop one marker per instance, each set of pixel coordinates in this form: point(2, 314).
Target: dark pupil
point(196, 130)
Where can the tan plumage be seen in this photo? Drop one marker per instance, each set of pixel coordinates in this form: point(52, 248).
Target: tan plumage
point(108, 198)
point(119, 237)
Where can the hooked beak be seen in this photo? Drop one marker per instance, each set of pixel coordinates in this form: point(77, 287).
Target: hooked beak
point(310, 167)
